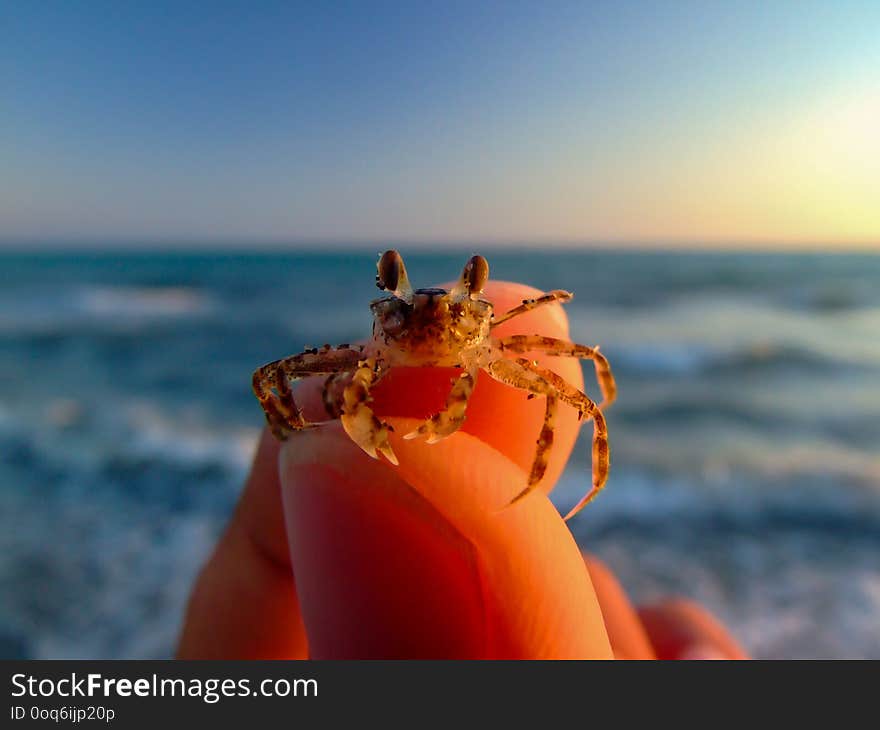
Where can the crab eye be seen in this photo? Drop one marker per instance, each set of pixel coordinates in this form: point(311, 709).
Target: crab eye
point(476, 274)
point(392, 275)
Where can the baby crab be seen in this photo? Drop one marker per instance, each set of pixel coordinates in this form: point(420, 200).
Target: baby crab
point(433, 327)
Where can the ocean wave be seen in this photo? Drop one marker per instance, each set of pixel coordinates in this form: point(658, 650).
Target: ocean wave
point(750, 411)
point(128, 501)
point(127, 429)
point(127, 302)
point(139, 565)
point(42, 311)
point(660, 499)
point(189, 441)
point(838, 296)
point(744, 460)
point(136, 446)
point(767, 569)
point(784, 594)
point(771, 563)
point(753, 358)
point(660, 360)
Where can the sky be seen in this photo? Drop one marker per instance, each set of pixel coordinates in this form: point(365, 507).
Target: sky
point(621, 123)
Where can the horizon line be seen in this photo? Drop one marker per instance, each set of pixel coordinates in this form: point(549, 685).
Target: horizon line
point(184, 244)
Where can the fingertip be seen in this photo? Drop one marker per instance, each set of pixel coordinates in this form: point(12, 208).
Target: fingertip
point(424, 560)
point(379, 571)
point(625, 630)
point(503, 417)
point(682, 629)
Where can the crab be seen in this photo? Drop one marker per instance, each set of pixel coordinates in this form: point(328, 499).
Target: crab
point(439, 328)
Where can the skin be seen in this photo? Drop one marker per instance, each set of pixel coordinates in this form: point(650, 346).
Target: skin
point(424, 560)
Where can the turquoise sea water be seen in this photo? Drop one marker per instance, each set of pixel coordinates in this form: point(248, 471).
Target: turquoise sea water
point(746, 437)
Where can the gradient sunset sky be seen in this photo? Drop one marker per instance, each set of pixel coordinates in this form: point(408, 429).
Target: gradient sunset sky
point(713, 123)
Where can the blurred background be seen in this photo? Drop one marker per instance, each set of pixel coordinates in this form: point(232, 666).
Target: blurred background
point(188, 191)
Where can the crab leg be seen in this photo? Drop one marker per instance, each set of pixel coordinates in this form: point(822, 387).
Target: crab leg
point(563, 348)
point(358, 419)
point(585, 407)
point(449, 420)
point(542, 453)
point(557, 295)
point(513, 373)
point(331, 393)
point(282, 413)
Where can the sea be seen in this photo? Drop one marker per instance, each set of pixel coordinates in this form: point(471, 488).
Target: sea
point(746, 435)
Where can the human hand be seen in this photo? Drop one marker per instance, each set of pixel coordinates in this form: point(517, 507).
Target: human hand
point(423, 560)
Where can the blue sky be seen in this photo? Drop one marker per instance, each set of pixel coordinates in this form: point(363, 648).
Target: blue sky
point(686, 123)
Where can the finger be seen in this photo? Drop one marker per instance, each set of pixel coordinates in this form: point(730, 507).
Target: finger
point(682, 629)
point(423, 561)
point(626, 632)
point(500, 416)
point(244, 603)
point(453, 491)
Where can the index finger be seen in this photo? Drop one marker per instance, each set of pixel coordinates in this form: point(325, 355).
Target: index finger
point(379, 552)
point(498, 415)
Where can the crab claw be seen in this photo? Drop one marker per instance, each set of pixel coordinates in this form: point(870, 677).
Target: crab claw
point(369, 433)
point(425, 430)
point(436, 428)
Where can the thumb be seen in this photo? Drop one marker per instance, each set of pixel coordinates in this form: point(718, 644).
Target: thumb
point(424, 560)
